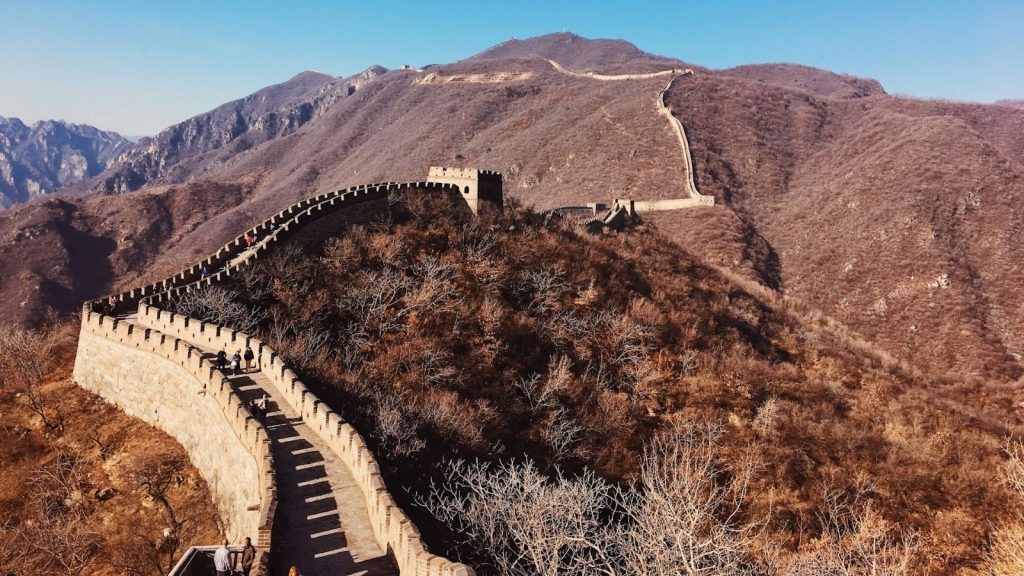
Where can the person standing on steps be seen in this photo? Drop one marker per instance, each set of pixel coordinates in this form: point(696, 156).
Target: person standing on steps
point(222, 559)
point(248, 357)
point(222, 360)
point(204, 273)
point(248, 556)
point(236, 363)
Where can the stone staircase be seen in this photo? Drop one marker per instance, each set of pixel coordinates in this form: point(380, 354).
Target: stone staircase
point(322, 525)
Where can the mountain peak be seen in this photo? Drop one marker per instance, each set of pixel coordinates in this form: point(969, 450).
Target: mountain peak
point(575, 51)
point(314, 75)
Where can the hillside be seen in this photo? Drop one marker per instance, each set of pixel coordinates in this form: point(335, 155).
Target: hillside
point(38, 159)
point(900, 218)
point(87, 490)
point(440, 336)
point(921, 251)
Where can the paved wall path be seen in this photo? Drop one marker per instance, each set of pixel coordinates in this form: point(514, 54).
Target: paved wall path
point(322, 524)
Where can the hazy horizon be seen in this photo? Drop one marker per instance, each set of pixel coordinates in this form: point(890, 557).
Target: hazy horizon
point(137, 69)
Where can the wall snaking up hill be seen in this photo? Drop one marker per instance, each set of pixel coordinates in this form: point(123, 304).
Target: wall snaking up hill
point(104, 366)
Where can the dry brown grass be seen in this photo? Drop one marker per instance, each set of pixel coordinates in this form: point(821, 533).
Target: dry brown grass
point(898, 217)
point(71, 500)
point(440, 337)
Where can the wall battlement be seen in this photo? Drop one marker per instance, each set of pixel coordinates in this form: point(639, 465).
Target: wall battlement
point(482, 189)
point(115, 356)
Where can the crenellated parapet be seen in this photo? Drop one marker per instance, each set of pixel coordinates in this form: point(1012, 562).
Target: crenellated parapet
point(482, 189)
point(104, 365)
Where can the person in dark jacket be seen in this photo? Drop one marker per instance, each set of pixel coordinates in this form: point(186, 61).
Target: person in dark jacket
point(222, 360)
point(248, 556)
point(248, 358)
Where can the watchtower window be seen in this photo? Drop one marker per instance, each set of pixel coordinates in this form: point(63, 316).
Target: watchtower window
point(466, 191)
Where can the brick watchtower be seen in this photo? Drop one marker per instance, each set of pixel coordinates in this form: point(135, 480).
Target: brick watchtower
point(480, 188)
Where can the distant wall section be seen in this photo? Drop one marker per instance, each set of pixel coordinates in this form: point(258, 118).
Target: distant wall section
point(482, 189)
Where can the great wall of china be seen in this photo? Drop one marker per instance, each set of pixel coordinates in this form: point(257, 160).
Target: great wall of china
point(308, 467)
point(693, 198)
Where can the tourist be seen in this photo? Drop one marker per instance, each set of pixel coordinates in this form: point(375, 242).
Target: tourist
point(248, 357)
point(222, 360)
point(204, 273)
point(222, 559)
point(248, 240)
point(294, 571)
point(236, 362)
point(248, 556)
point(261, 404)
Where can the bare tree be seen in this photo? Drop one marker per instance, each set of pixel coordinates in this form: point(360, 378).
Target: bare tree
point(218, 306)
point(527, 524)
point(681, 518)
point(155, 475)
point(58, 540)
point(26, 358)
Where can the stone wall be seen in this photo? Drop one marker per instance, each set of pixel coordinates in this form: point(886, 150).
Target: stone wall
point(104, 339)
point(167, 384)
point(641, 206)
point(392, 527)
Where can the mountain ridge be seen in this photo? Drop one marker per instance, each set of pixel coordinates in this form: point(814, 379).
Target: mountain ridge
point(38, 159)
point(778, 155)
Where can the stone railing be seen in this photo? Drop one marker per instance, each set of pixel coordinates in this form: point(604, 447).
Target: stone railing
point(392, 528)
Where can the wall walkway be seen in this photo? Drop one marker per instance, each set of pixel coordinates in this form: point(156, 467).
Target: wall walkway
point(323, 474)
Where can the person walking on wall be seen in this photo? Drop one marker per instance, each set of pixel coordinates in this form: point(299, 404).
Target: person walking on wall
point(294, 571)
point(236, 362)
point(248, 556)
point(222, 360)
point(222, 559)
point(204, 273)
point(248, 357)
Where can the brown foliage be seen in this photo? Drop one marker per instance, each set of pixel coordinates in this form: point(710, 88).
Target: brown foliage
point(443, 337)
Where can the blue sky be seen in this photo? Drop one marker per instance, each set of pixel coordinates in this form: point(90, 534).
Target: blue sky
point(139, 66)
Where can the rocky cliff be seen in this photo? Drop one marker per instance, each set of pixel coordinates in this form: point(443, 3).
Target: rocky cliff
point(37, 159)
point(191, 148)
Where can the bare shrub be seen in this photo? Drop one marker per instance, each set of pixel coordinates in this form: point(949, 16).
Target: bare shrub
point(60, 487)
point(681, 518)
point(1006, 554)
point(856, 539)
point(57, 540)
point(543, 287)
point(562, 433)
point(26, 358)
point(395, 428)
point(218, 306)
point(527, 524)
